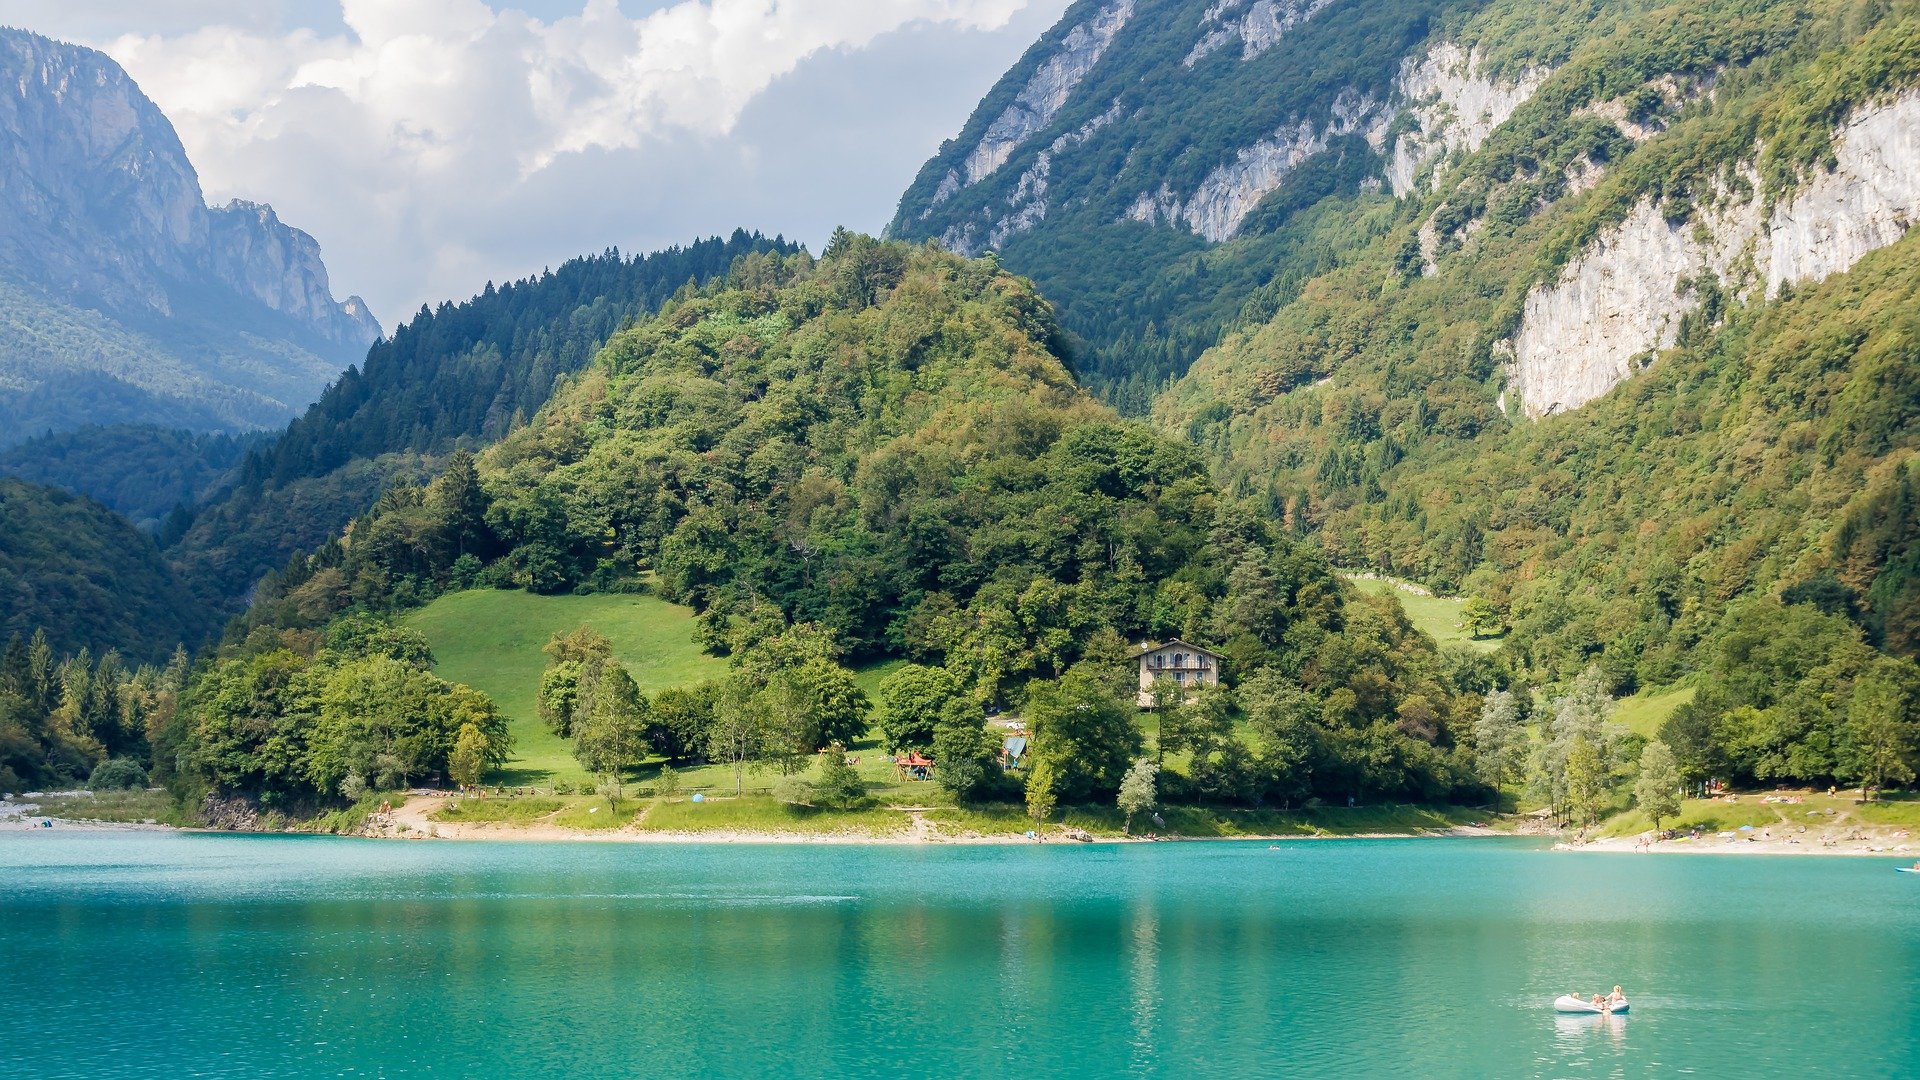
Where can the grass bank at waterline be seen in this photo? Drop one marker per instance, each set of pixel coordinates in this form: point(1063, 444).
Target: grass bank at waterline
point(767, 819)
point(1772, 823)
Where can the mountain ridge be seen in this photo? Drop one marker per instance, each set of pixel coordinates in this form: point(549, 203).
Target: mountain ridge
point(116, 269)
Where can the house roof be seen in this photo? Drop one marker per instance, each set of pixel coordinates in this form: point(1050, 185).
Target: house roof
point(1146, 647)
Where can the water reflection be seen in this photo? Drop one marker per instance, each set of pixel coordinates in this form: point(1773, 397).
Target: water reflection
point(1143, 967)
point(1575, 1033)
point(1413, 959)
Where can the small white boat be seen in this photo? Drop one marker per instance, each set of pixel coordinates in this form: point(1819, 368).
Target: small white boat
point(1567, 1003)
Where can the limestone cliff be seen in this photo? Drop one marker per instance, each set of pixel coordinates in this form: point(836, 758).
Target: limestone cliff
point(1624, 297)
point(101, 211)
point(1450, 104)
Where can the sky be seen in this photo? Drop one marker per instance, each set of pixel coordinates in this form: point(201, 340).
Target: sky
point(434, 145)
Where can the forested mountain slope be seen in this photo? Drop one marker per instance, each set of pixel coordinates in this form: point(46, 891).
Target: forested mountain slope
point(138, 470)
point(881, 453)
point(1600, 311)
point(459, 375)
point(85, 577)
point(1619, 366)
point(124, 298)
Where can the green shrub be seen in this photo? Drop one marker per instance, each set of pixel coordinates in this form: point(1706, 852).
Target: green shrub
point(117, 774)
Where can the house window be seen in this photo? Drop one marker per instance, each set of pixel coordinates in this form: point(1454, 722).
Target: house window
point(1179, 677)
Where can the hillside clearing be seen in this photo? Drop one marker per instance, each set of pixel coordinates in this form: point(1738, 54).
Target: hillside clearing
point(491, 640)
point(1439, 617)
point(1644, 712)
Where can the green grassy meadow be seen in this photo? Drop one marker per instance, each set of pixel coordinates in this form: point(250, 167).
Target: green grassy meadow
point(1644, 712)
point(1439, 617)
point(491, 640)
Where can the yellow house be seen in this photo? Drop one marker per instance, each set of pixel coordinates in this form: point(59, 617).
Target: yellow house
point(1185, 663)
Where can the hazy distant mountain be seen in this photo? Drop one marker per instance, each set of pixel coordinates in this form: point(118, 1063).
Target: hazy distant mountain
point(123, 296)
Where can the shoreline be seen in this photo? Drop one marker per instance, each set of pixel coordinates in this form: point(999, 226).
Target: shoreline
point(413, 820)
point(1888, 847)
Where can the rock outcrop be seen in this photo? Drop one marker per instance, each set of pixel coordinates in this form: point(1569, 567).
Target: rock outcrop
point(1450, 100)
point(1452, 105)
point(1258, 26)
point(1041, 99)
point(1229, 193)
point(1623, 299)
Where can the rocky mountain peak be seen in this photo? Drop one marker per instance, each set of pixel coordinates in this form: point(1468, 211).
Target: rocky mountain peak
point(100, 205)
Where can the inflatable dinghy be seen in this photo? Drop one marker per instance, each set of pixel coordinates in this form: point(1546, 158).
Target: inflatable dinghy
point(1906, 869)
point(1567, 1003)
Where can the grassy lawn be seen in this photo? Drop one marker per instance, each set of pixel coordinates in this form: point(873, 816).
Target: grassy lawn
point(762, 814)
point(491, 639)
point(1644, 712)
point(1439, 617)
point(1890, 808)
point(517, 811)
point(594, 814)
point(870, 677)
point(1816, 810)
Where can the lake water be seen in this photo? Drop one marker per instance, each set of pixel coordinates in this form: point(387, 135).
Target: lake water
point(193, 955)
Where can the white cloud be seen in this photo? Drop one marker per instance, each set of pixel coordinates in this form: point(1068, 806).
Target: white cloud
point(418, 142)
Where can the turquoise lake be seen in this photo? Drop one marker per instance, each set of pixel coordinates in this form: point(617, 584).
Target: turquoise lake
point(159, 954)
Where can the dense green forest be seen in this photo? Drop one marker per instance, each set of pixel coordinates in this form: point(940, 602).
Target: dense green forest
point(881, 453)
point(142, 472)
point(87, 578)
point(64, 719)
point(460, 375)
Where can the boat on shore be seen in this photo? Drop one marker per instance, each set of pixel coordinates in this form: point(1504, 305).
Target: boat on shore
point(1567, 1003)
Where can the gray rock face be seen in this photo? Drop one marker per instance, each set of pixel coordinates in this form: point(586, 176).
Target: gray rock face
point(99, 204)
point(1047, 90)
point(1229, 193)
point(1454, 106)
point(1621, 301)
point(124, 298)
point(1258, 26)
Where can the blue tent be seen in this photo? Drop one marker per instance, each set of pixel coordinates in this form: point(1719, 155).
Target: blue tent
point(1014, 748)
